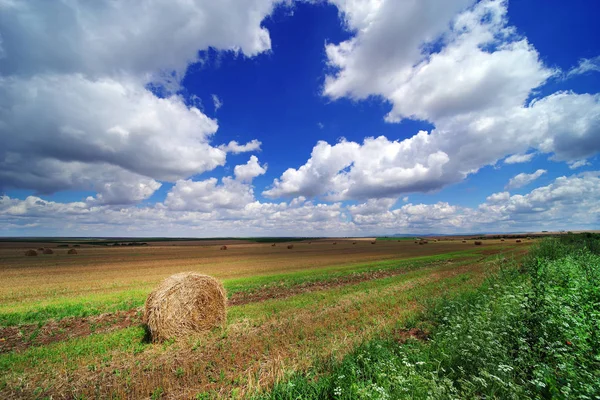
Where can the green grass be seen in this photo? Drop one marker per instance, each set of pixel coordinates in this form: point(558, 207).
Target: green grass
point(16, 313)
point(90, 349)
point(525, 335)
point(72, 353)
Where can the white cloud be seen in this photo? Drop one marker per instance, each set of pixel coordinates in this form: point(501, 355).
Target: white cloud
point(481, 114)
point(208, 196)
point(74, 99)
point(250, 170)
point(209, 208)
point(498, 197)
point(585, 65)
point(377, 168)
point(236, 148)
point(107, 38)
point(63, 119)
point(218, 103)
point(519, 158)
point(578, 164)
point(524, 179)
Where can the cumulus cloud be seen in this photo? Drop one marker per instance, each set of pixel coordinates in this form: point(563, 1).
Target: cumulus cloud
point(524, 179)
point(236, 148)
point(207, 196)
point(518, 158)
point(481, 115)
point(75, 98)
point(376, 168)
point(250, 170)
point(210, 208)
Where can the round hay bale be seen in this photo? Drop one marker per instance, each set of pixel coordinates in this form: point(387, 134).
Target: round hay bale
point(353, 242)
point(518, 240)
point(273, 245)
point(41, 249)
point(31, 253)
point(72, 251)
point(184, 304)
point(464, 241)
point(502, 240)
point(372, 242)
point(334, 242)
point(290, 246)
point(48, 251)
point(478, 243)
point(223, 247)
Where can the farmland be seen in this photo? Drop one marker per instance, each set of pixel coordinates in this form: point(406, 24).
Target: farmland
point(71, 324)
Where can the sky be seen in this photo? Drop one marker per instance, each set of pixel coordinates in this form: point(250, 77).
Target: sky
point(298, 118)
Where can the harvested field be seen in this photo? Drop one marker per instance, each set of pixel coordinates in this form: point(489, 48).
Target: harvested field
point(287, 310)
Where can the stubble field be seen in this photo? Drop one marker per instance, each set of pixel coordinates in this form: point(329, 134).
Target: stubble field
point(70, 325)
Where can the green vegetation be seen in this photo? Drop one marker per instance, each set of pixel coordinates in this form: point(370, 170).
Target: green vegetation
point(531, 332)
point(39, 312)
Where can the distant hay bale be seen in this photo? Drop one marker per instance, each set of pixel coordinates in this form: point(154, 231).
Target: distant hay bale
point(518, 240)
point(373, 242)
point(290, 246)
point(334, 242)
point(72, 251)
point(353, 242)
point(41, 249)
point(502, 240)
point(423, 242)
point(184, 304)
point(76, 245)
point(273, 245)
point(48, 251)
point(223, 247)
point(464, 241)
point(31, 253)
point(478, 243)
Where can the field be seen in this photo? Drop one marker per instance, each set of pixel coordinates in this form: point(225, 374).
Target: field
point(70, 325)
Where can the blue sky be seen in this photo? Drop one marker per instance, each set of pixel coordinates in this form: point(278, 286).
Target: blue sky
point(319, 105)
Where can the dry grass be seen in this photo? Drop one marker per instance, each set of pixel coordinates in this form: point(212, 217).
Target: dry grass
point(184, 304)
point(252, 353)
point(108, 270)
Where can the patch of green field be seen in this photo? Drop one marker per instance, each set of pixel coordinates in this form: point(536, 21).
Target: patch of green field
point(69, 354)
point(527, 333)
point(15, 313)
point(379, 294)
